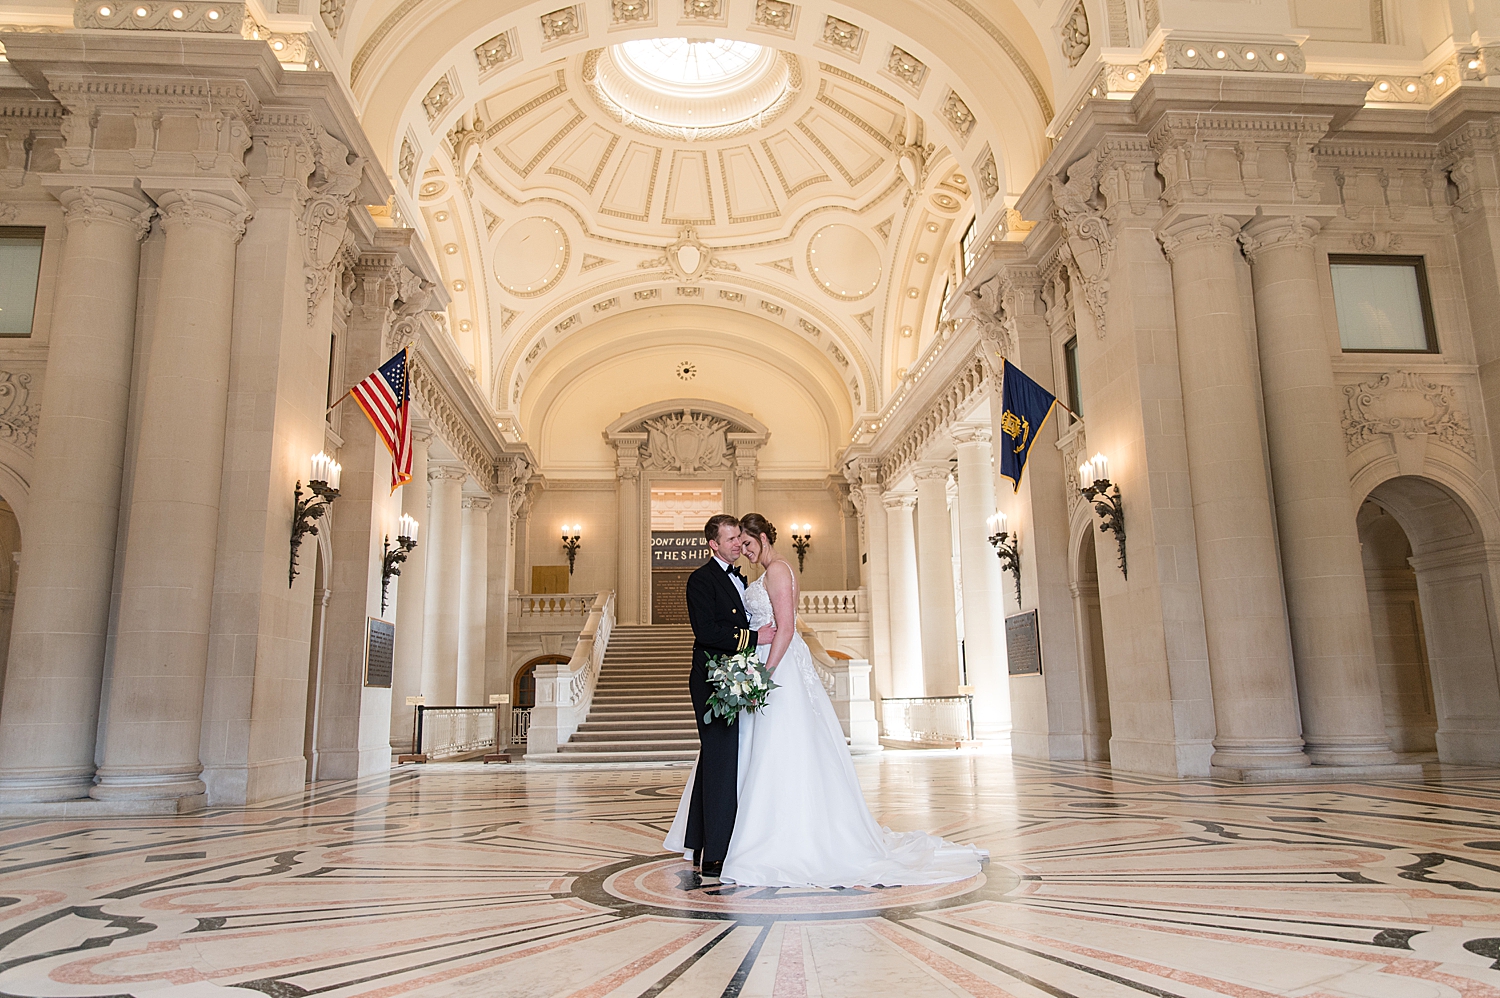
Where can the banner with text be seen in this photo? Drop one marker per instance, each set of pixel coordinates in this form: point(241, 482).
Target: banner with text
point(679, 548)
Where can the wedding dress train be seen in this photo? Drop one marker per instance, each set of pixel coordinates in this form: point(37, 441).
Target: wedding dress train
point(802, 818)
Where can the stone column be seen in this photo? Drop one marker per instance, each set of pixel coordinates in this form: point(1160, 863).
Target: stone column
point(935, 581)
point(1338, 687)
point(411, 595)
point(1249, 656)
point(52, 686)
point(499, 568)
point(444, 567)
point(983, 582)
point(472, 608)
point(877, 580)
point(167, 582)
point(906, 621)
point(628, 602)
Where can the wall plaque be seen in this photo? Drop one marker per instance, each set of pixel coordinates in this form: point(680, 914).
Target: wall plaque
point(1023, 644)
point(380, 653)
point(679, 548)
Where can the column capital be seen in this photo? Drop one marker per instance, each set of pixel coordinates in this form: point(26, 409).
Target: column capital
point(1198, 232)
point(446, 472)
point(971, 435)
point(185, 207)
point(84, 205)
point(478, 502)
point(899, 500)
point(421, 430)
point(933, 472)
point(1278, 232)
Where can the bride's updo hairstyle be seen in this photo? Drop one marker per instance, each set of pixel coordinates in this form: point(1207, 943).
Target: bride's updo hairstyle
point(754, 523)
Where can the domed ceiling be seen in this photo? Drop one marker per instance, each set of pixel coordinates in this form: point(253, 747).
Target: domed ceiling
point(696, 170)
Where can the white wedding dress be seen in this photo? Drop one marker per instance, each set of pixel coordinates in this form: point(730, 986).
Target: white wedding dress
point(802, 819)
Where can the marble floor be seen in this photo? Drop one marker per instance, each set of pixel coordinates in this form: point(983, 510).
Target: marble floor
point(517, 881)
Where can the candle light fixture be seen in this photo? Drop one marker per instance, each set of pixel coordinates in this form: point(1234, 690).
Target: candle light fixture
point(1095, 487)
point(323, 487)
point(801, 541)
point(1007, 546)
point(390, 564)
point(571, 543)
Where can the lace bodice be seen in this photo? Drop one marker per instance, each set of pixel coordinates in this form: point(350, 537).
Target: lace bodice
point(758, 605)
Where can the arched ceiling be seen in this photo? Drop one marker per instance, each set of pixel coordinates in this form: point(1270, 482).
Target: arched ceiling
point(831, 217)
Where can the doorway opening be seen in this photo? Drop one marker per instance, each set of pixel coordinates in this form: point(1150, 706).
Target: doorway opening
point(678, 545)
point(1090, 624)
point(1432, 599)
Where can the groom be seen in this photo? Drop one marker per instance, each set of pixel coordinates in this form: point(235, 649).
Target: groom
point(716, 609)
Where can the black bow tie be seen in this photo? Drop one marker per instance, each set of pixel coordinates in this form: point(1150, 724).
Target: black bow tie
point(734, 570)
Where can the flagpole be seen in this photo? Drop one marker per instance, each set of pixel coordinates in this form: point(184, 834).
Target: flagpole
point(337, 401)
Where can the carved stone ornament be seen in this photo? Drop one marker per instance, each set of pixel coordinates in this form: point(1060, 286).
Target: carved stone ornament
point(997, 330)
point(957, 114)
point(702, 10)
point(407, 166)
point(324, 221)
point(562, 23)
point(1088, 244)
point(843, 35)
point(777, 15)
point(1405, 404)
point(332, 12)
point(686, 442)
point(988, 174)
point(439, 98)
point(496, 51)
point(629, 11)
point(1074, 34)
point(220, 18)
point(906, 67)
point(19, 415)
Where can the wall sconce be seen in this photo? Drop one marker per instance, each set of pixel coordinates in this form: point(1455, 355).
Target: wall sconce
point(323, 484)
point(571, 544)
point(801, 541)
point(390, 564)
point(1008, 546)
point(1094, 485)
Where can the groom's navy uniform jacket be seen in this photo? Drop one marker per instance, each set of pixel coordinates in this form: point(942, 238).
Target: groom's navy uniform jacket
point(720, 627)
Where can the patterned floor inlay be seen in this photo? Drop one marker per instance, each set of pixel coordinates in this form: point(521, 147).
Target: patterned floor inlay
point(527, 882)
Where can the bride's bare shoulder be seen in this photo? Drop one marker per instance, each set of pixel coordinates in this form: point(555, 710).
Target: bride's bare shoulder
point(779, 576)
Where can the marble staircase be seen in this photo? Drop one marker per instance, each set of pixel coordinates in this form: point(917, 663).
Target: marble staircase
point(641, 711)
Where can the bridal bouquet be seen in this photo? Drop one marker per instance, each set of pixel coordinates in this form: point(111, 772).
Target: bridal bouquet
point(740, 682)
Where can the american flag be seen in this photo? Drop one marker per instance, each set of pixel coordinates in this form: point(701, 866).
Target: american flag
point(385, 396)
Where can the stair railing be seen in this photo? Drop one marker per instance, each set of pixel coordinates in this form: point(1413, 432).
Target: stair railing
point(848, 684)
point(564, 691)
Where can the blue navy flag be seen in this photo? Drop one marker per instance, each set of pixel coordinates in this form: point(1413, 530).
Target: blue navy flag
point(1024, 408)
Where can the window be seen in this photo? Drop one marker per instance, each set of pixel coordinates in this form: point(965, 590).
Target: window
point(1070, 360)
point(966, 243)
point(943, 302)
point(20, 268)
point(1383, 304)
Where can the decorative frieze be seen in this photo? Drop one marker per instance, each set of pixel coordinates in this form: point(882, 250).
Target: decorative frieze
point(219, 17)
point(1243, 57)
point(1405, 403)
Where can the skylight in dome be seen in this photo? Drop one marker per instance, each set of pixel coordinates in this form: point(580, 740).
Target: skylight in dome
point(681, 62)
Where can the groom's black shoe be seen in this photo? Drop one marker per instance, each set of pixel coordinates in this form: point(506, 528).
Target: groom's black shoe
point(712, 870)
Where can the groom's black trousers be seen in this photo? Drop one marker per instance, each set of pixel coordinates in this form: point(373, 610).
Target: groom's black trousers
point(719, 628)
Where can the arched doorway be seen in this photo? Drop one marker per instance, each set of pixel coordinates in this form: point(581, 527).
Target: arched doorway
point(1090, 624)
point(10, 564)
point(1396, 621)
point(523, 687)
point(1451, 617)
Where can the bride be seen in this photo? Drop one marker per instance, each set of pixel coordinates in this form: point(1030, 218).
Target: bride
point(802, 820)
